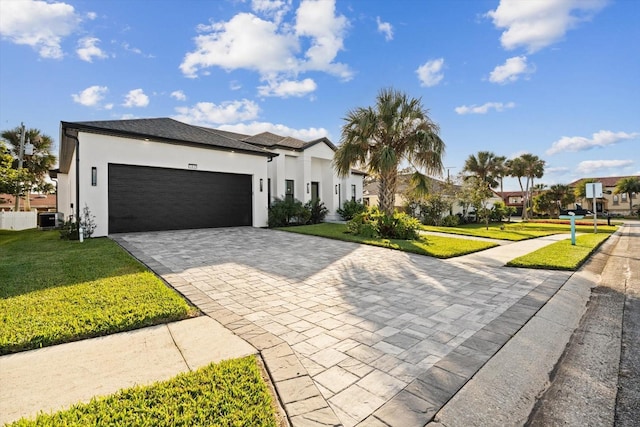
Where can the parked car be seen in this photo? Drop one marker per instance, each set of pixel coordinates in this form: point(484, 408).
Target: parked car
point(577, 212)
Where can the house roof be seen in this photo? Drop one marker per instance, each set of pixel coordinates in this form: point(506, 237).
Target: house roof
point(607, 181)
point(37, 201)
point(159, 129)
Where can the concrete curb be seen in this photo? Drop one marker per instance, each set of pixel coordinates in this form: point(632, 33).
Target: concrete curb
point(505, 390)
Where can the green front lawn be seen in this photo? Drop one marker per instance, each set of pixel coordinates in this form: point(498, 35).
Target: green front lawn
point(516, 231)
point(562, 255)
point(231, 393)
point(435, 246)
point(55, 291)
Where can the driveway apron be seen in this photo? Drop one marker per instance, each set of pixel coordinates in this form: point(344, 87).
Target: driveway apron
point(351, 334)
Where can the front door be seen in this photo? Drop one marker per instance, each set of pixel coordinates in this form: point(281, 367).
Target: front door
point(315, 191)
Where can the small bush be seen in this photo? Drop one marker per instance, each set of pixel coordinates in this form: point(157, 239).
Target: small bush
point(285, 212)
point(317, 211)
point(350, 209)
point(451, 221)
point(70, 231)
point(373, 223)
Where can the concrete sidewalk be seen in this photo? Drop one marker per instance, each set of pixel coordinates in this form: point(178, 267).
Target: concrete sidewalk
point(57, 377)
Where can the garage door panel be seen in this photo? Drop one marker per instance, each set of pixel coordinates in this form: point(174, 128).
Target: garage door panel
point(149, 199)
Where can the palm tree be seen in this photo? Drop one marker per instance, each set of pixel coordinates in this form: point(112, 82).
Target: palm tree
point(527, 166)
point(485, 169)
point(396, 130)
point(561, 195)
point(628, 185)
point(35, 166)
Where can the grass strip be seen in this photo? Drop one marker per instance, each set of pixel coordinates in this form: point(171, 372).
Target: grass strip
point(55, 291)
point(435, 246)
point(230, 393)
point(562, 255)
point(516, 231)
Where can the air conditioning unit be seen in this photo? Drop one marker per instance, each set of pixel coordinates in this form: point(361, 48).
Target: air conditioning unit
point(49, 220)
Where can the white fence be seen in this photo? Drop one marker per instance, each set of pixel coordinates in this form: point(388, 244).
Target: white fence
point(18, 220)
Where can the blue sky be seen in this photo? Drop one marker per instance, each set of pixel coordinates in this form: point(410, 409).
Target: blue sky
point(556, 78)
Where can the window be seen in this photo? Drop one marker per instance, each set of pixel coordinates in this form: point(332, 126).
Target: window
point(353, 192)
point(615, 199)
point(288, 192)
point(624, 197)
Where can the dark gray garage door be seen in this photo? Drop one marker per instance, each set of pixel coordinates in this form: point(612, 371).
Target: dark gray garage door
point(149, 199)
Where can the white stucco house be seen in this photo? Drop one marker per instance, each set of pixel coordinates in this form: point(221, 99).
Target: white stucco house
point(162, 174)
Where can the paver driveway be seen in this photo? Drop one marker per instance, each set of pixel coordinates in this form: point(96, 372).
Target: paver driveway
point(386, 337)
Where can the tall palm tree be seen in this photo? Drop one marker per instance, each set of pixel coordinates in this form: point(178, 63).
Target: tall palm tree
point(396, 130)
point(527, 166)
point(628, 185)
point(561, 195)
point(485, 169)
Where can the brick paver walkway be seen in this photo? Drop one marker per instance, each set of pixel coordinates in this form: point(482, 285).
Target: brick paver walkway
point(372, 335)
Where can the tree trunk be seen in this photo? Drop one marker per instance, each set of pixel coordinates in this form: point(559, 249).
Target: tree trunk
point(388, 191)
point(629, 194)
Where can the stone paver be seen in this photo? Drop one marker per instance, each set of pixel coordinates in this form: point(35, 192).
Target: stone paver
point(380, 336)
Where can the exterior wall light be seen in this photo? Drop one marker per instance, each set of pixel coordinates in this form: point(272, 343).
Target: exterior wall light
point(261, 185)
point(336, 188)
point(307, 188)
point(94, 176)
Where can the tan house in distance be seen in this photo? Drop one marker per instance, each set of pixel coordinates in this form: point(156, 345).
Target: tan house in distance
point(614, 204)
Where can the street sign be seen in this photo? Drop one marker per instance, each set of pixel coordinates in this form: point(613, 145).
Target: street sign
point(593, 190)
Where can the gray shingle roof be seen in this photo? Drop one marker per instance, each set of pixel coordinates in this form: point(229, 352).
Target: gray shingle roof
point(168, 130)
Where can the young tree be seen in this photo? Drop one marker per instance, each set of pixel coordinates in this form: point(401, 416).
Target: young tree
point(380, 138)
point(628, 185)
point(35, 166)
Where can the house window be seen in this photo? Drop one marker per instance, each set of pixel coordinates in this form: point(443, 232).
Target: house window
point(288, 192)
point(615, 199)
point(353, 192)
point(624, 197)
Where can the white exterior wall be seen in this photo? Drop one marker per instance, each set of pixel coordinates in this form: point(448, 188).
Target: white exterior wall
point(100, 150)
point(18, 220)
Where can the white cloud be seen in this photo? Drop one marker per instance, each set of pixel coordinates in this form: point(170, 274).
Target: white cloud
point(254, 128)
point(287, 88)
point(91, 96)
point(275, 9)
point(556, 170)
point(208, 113)
point(179, 95)
point(602, 138)
point(126, 46)
point(91, 16)
point(430, 73)
point(317, 20)
point(269, 47)
point(511, 71)
point(235, 85)
point(246, 41)
point(385, 28)
point(590, 166)
point(135, 98)
point(38, 24)
point(538, 24)
point(88, 49)
point(484, 108)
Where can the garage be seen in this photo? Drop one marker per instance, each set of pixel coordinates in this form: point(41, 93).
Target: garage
point(143, 198)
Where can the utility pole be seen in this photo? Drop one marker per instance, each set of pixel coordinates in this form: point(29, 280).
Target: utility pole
point(20, 160)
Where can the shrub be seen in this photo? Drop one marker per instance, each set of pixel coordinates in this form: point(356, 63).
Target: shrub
point(285, 212)
point(317, 211)
point(451, 221)
point(373, 223)
point(69, 230)
point(350, 209)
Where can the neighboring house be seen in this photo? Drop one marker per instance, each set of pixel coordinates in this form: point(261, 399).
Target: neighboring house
point(514, 199)
point(371, 193)
point(162, 174)
point(39, 202)
point(616, 204)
